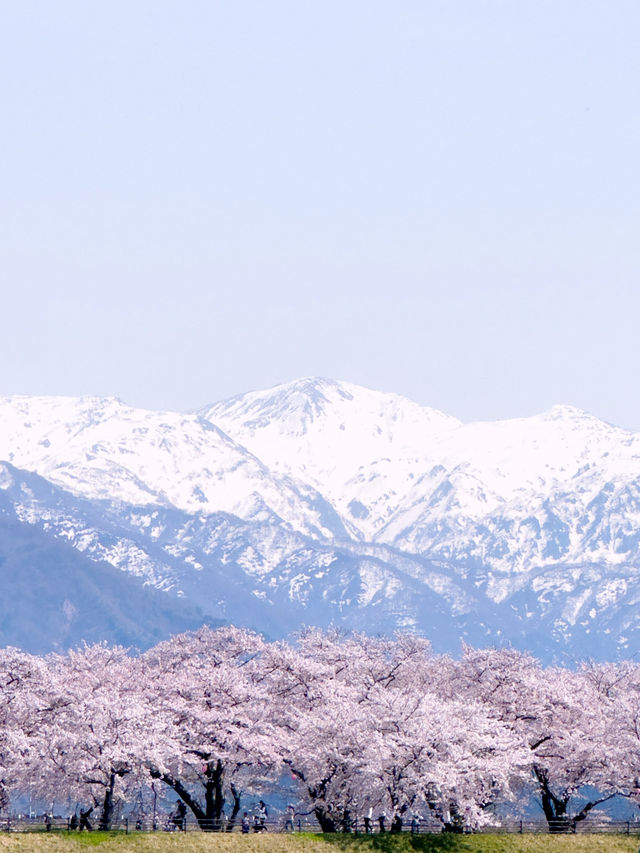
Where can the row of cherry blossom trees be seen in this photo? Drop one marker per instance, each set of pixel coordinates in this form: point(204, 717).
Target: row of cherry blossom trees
point(362, 726)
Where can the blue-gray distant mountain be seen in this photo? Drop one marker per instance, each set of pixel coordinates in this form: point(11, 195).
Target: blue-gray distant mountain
point(320, 502)
point(55, 597)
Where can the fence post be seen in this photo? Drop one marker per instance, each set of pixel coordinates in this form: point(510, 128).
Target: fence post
point(299, 825)
point(521, 827)
point(126, 826)
point(627, 827)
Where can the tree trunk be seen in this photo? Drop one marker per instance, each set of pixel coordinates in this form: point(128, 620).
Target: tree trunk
point(555, 807)
point(210, 817)
point(236, 808)
point(214, 797)
point(107, 805)
point(326, 821)
point(347, 824)
point(190, 802)
point(84, 819)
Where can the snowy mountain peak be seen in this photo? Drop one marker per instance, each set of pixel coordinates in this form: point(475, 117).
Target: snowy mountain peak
point(565, 412)
point(325, 501)
point(296, 403)
point(311, 404)
point(357, 447)
point(315, 388)
point(572, 415)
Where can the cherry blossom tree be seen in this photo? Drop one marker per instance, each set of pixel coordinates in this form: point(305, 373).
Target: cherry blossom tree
point(322, 734)
point(207, 693)
point(364, 725)
point(364, 730)
point(560, 716)
point(446, 755)
point(21, 679)
point(617, 686)
point(327, 747)
point(91, 728)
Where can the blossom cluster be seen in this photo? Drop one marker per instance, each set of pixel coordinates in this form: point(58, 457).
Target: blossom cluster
point(361, 726)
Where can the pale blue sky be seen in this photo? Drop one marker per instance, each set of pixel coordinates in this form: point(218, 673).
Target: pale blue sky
point(435, 198)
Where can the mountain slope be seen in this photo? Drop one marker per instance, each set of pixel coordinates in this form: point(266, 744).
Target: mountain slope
point(542, 513)
point(104, 450)
point(358, 448)
point(321, 502)
point(413, 478)
point(56, 598)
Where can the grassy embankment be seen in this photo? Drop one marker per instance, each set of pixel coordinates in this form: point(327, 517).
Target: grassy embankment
point(197, 843)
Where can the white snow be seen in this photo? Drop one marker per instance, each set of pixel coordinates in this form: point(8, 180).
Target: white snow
point(546, 507)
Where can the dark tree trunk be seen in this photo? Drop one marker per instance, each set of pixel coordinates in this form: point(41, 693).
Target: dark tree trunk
point(190, 802)
point(214, 797)
point(555, 807)
point(326, 821)
point(236, 808)
point(107, 805)
point(317, 795)
point(210, 817)
point(85, 823)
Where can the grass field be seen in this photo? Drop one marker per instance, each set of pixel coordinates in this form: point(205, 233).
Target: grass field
point(197, 843)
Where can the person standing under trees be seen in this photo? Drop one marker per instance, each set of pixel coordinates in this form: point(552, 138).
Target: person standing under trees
point(85, 823)
point(289, 819)
point(179, 817)
point(263, 814)
point(367, 822)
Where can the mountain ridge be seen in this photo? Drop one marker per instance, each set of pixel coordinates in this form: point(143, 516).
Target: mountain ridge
point(323, 500)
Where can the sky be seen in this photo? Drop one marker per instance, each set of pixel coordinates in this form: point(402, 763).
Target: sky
point(439, 198)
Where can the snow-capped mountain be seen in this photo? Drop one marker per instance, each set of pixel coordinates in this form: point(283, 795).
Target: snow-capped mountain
point(104, 450)
point(323, 502)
